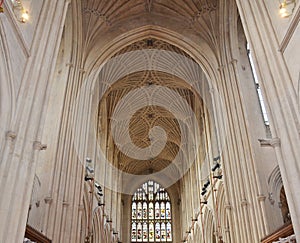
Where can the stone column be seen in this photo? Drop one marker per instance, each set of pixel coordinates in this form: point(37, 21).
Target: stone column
point(281, 96)
point(18, 162)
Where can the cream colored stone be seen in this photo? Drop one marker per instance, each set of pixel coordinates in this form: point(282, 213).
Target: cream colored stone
point(54, 115)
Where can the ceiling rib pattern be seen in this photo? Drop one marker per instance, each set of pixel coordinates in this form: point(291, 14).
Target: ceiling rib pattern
point(200, 16)
point(151, 122)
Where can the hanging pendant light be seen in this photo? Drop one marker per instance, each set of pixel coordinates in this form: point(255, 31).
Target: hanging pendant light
point(20, 12)
point(1, 8)
point(286, 8)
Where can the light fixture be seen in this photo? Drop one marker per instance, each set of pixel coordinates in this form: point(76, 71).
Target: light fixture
point(90, 169)
point(286, 8)
point(98, 186)
point(207, 183)
point(218, 177)
point(24, 16)
point(20, 12)
point(216, 166)
point(1, 8)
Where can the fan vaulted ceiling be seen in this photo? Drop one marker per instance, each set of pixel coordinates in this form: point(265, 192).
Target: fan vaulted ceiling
point(144, 119)
point(106, 20)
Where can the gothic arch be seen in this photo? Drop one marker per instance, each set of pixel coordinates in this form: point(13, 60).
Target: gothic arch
point(275, 182)
point(208, 224)
point(203, 55)
point(7, 92)
point(91, 74)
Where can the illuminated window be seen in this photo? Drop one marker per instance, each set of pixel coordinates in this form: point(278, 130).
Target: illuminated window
point(258, 90)
point(151, 217)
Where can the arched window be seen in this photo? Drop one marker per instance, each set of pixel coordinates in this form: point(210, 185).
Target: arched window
point(284, 206)
point(151, 217)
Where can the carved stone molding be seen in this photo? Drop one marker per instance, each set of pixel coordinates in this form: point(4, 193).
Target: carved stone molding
point(80, 207)
point(244, 203)
point(261, 198)
point(149, 5)
point(233, 61)
point(220, 68)
point(48, 200)
point(290, 31)
point(65, 203)
point(228, 207)
point(10, 135)
point(39, 146)
point(69, 64)
point(273, 142)
point(96, 13)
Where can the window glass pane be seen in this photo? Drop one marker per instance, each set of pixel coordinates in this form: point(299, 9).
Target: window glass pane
point(163, 232)
point(169, 232)
point(151, 214)
point(260, 97)
point(162, 211)
point(150, 195)
point(145, 214)
point(139, 232)
point(151, 232)
point(133, 232)
point(151, 211)
point(145, 232)
point(157, 211)
point(139, 211)
point(133, 210)
point(168, 210)
point(157, 232)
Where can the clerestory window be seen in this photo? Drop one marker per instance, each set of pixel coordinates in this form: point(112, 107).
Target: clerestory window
point(258, 89)
point(151, 217)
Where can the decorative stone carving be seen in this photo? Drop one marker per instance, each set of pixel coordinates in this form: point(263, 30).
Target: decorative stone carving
point(273, 142)
point(10, 135)
point(48, 200)
point(39, 146)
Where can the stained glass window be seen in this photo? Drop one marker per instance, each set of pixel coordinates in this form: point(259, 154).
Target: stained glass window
point(151, 217)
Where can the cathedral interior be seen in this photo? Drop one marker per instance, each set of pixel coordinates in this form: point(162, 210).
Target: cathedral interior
point(149, 121)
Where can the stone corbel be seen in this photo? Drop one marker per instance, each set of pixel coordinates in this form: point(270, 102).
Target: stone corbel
point(39, 146)
point(273, 142)
point(81, 70)
point(48, 200)
point(261, 198)
point(220, 68)
point(228, 207)
point(69, 64)
point(65, 203)
point(234, 61)
point(10, 135)
point(37, 203)
point(244, 203)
